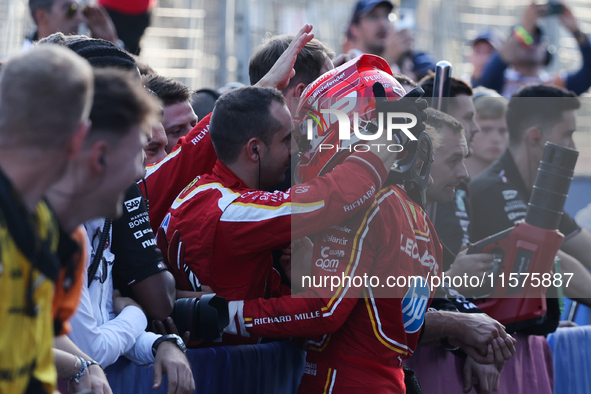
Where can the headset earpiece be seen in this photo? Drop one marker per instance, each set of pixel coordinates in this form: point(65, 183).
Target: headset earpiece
point(255, 149)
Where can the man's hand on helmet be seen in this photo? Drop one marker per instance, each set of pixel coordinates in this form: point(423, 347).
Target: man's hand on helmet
point(411, 103)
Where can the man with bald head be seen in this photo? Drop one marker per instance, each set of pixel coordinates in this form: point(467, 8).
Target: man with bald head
point(45, 99)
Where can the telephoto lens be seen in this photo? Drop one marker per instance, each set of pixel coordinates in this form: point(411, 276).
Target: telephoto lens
point(550, 190)
point(204, 318)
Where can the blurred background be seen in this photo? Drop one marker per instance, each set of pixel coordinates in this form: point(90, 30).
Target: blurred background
point(207, 44)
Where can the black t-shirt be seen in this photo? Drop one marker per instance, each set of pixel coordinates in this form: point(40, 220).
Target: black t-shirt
point(499, 200)
point(134, 244)
point(452, 223)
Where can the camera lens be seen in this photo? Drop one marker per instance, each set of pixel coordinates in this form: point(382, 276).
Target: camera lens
point(551, 187)
point(204, 318)
point(182, 314)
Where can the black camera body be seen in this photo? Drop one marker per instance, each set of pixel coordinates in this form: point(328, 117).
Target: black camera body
point(204, 318)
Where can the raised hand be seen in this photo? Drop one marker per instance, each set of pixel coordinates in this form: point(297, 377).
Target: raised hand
point(282, 71)
point(100, 24)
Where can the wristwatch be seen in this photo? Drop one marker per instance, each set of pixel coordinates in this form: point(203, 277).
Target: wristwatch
point(172, 338)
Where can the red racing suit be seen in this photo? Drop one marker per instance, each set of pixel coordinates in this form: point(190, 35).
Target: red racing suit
point(193, 155)
point(367, 330)
point(229, 230)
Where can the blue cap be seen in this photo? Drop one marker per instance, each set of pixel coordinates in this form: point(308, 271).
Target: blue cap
point(363, 7)
point(423, 63)
point(489, 36)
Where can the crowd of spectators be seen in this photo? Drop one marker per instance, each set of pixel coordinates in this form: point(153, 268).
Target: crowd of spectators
point(124, 193)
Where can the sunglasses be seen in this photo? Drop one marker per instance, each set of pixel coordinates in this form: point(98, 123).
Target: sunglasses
point(71, 9)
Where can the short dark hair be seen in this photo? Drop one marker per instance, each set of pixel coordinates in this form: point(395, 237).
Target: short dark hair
point(537, 105)
point(307, 66)
point(405, 80)
point(168, 90)
point(457, 87)
point(98, 52)
point(143, 67)
point(242, 114)
point(203, 102)
point(438, 120)
point(120, 103)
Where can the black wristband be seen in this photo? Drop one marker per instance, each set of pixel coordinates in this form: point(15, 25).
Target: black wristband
point(446, 345)
point(580, 37)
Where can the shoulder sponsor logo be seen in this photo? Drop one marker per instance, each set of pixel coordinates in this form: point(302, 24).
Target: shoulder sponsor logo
point(253, 193)
point(414, 304)
point(140, 233)
point(149, 242)
point(200, 136)
point(301, 189)
point(509, 194)
point(361, 201)
point(138, 222)
point(272, 319)
point(133, 204)
point(138, 216)
point(277, 196)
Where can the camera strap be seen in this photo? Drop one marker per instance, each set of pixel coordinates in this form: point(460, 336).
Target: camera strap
point(98, 255)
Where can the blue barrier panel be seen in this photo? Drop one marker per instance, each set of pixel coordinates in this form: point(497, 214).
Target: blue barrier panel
point(582, 317)
point(578, 198)
point(275, 367)
point(528, 372)
point(578, 195)
point(572, 360)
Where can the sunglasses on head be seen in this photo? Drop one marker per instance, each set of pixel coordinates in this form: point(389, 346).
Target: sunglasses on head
point(71, 9)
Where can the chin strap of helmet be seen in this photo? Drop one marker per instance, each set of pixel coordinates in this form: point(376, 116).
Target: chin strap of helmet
point(413, 169)
point(411, 104)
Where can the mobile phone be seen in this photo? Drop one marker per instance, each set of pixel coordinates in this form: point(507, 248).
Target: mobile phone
point(554, 8)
